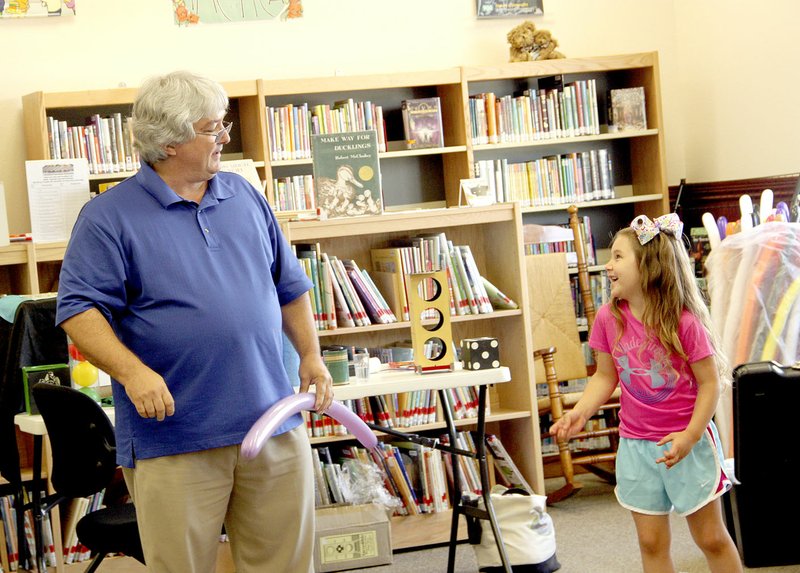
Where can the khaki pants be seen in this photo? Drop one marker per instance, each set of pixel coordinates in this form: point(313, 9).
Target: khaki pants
point(267, 505)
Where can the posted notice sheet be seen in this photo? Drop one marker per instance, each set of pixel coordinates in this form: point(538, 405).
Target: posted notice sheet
point(57, 190)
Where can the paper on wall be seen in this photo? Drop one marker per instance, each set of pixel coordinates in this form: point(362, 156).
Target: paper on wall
point(57, 190)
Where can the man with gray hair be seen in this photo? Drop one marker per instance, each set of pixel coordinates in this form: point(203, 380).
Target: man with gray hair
point(179, 284)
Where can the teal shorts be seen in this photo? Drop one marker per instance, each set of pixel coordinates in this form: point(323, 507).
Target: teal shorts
point(646, 487)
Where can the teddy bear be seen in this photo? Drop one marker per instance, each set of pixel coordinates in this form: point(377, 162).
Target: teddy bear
point(545, 46)
point(529, 44)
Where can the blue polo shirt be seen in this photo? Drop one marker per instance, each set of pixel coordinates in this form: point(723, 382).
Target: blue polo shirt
point(195, 291)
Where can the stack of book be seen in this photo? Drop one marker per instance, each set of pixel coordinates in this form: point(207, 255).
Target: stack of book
point(469, 468)
point(532, 233)
point(467, 288)
point(346, 295)
point(105, 142)
point(295, 193)
point(550, 112)
point(413, 475)
point(290, 127)
point(342, 294)
point(399, 410)
point(552, 180)
point(12, 557)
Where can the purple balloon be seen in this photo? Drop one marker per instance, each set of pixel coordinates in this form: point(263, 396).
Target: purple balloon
point(266, 425)
point(783, 209)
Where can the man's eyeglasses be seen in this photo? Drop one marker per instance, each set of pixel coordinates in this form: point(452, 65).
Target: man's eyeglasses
point(218, 135)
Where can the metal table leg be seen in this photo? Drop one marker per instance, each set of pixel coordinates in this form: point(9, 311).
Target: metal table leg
point(458, 507)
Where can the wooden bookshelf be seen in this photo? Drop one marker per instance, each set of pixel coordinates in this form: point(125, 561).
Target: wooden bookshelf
point(639, 173)
point(402, 170)
point(410, 179)
point(513, 406)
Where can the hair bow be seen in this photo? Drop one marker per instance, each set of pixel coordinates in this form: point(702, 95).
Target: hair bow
point(646, 229)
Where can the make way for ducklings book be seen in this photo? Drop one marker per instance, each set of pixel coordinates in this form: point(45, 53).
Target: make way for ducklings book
point(347, 173)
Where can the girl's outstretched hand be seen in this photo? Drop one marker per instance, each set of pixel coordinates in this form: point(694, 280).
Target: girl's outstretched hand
point(568, 425)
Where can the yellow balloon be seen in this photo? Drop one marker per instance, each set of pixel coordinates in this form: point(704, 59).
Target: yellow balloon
point(84, 374)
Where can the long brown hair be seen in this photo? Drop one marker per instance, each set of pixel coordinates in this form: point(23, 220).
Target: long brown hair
point(669, 287)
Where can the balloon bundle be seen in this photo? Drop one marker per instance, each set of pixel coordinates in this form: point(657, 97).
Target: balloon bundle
point(85, 375)
point(720, 227)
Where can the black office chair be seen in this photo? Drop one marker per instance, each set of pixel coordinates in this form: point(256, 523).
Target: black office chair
point(84, 462)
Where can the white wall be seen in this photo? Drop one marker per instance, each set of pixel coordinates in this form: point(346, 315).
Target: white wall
point(740, 80)
point(106, 46)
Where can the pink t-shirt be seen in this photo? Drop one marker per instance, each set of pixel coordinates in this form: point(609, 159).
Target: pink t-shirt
point(658, 390)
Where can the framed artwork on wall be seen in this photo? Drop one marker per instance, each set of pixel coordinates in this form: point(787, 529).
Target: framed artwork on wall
point(31, 8)
point(189, 12)
point(509, 8)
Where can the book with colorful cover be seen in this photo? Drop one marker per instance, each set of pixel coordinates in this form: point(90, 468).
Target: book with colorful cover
point(628, 111)
point(422, 121)
point(342, 314)
point(505, 465)
point(310, 252)
point(347, 173)
point(498, 299)
point(360, 316)
point(377, 313)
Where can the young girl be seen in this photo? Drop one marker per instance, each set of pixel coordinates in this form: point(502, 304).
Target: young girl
point(654, 338)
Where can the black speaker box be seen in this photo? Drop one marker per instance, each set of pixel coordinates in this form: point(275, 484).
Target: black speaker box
point(765, 504)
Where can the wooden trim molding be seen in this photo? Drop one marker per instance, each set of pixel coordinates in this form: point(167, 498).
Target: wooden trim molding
point(721, 198)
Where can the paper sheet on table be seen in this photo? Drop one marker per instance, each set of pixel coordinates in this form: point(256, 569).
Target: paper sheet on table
point(57, 190)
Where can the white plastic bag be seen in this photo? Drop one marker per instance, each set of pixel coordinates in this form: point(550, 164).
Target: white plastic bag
point(527, 530)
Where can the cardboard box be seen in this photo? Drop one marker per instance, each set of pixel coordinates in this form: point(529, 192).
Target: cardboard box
point(351, 537)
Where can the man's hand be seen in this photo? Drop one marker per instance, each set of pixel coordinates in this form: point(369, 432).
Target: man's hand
point(150, 395)
point(313, 371)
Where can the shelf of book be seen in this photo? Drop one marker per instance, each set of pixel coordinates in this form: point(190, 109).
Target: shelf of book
point(347, 103)
point(512, 416)
point(561, 141)
point(95, 124)
point(583, 205)
point(635, 180)
point(572, 93)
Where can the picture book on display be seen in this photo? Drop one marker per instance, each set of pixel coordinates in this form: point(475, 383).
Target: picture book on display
point(57, 374)
point(347, 173)
point(627, 109)
point(422, 121)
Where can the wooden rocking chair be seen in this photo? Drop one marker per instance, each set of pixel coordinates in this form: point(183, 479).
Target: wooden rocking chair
point(557, 402)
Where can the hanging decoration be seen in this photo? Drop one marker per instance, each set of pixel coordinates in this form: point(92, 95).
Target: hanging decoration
point(32, 8)
point(188, 12)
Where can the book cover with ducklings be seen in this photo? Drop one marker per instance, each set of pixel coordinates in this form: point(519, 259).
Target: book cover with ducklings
point(347, 174)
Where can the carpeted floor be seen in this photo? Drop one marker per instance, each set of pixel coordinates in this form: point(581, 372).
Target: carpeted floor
point(593, 535)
